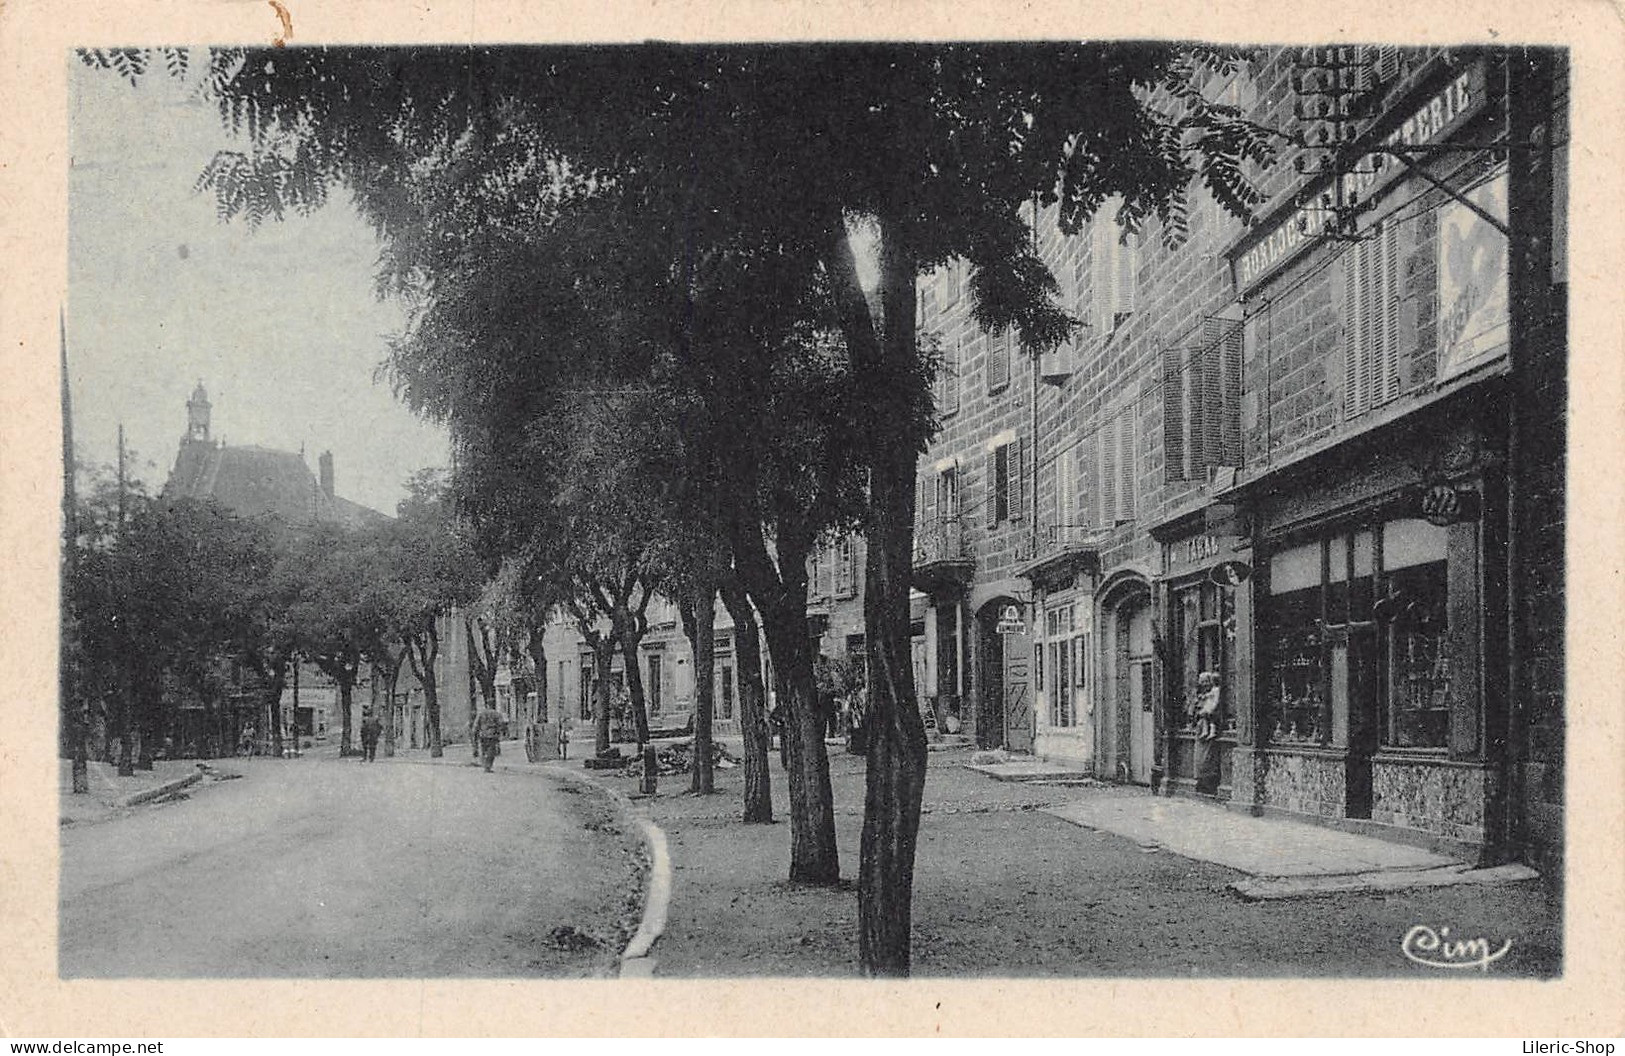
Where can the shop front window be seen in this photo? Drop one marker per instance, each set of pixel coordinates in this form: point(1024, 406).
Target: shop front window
point(1204, 629)
point(1354, 625)
point(1057, 671)
point(1417, 636)
point(1294, 638)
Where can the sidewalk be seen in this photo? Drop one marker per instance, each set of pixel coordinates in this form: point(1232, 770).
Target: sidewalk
point(1283, 859)
point(109, 793)
point(1006, 886)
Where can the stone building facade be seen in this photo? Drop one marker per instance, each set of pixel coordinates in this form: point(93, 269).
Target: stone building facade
point(1282, 524)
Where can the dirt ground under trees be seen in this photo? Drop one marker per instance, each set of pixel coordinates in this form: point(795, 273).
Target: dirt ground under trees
point(1003, 889)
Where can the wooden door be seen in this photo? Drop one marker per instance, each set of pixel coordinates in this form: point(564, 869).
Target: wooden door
point(1018, 692)
point(1142, 734)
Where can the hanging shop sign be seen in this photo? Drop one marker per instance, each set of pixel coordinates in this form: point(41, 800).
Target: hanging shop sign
point(1231, 573)
point(1258, 257)
point(1473, 280)
point(1011, 621)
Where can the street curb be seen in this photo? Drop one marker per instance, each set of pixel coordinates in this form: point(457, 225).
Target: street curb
point(1269, 889)
point(635, 959)
point(155, 792)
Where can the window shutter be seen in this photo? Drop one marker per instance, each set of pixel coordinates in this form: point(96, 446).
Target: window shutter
point(998, 360)
point(1173, 415)
point(1015, 465)
point(1389, 237)
point(1064, 485)
point(1089, 482)
point(1126, 266)
point(1127, 486)
point(992, 503)
point(1211, 395)
point(1230, 357)
point(1106, 445)
point(1100, 272)
point(1354, 331)
point(950, 368)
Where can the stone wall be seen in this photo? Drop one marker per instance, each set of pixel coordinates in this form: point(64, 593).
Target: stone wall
point(1307, 784)
point(1432, 797)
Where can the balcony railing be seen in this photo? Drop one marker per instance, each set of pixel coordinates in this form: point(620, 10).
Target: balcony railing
point(940, 540)
point(1057, 541)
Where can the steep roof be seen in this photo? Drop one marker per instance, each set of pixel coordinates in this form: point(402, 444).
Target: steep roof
point(252, 481)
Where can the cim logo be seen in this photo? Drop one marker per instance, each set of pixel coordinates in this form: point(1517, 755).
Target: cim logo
point(1437, 949)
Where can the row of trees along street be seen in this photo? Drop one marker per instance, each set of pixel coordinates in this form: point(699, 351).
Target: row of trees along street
point(166, 598)
point(637, 305)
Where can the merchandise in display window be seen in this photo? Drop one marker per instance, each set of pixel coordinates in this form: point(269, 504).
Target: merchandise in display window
point(1355, 625)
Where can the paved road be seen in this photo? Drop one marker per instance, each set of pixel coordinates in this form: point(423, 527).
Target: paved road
point(334, 868)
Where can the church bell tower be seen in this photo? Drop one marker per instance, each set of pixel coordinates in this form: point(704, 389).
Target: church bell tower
point(197, 414)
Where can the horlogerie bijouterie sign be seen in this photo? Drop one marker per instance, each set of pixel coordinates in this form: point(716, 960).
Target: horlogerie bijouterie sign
point(1282, 237)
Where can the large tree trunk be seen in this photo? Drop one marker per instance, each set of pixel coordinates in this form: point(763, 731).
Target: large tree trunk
point(346, 681)
point(79, 745)
point(703, 641)
point(888, 375)
point(389, 701)
point(781, 598)
point(603, 654)
point(126, 719)
point(149, 704)
point(538, 658)
point(422, 650)
point(814, 857)
point(627, 632)
point(484, 657)
point(273, 699)
point(473, 688)
point(752, 704)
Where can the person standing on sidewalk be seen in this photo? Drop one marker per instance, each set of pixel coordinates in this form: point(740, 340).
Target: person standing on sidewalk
point(489, 726)
point(370, 730)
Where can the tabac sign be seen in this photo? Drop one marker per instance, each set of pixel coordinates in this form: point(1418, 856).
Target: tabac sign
point(1261, 255)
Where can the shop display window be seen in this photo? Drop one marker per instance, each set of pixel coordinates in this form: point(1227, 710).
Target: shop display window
point(1204, 630)
point(1355, 624)
point(1417, 642)
point(1058, 670)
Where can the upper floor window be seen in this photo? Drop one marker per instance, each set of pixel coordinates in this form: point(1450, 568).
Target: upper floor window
point(1201, 402)
point(1114, 487)
point(1114, 265)
point(1005, 479)
point(947, 388)
point(998, 359)
point(846, 577)
point(1371, 296)
point(938, 498)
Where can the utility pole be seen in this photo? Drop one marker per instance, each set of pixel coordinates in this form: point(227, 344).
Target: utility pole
point(126, 762)
point(73, 712)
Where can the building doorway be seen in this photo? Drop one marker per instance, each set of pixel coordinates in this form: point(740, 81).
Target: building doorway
point(1006, 675)
point(1127, 713)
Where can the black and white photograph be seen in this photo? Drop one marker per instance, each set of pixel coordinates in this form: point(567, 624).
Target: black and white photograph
point(1068, 509)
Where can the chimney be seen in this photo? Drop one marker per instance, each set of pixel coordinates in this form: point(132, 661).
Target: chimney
point(325, 464)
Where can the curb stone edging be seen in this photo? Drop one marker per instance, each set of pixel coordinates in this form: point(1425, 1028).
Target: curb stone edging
point(635, 959)
point(155, 792)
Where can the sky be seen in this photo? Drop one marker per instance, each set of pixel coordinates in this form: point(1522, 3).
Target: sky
point(280, 324)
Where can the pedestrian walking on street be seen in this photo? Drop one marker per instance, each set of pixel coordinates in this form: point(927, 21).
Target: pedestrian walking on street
point(489, 726)
point(370, 730)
